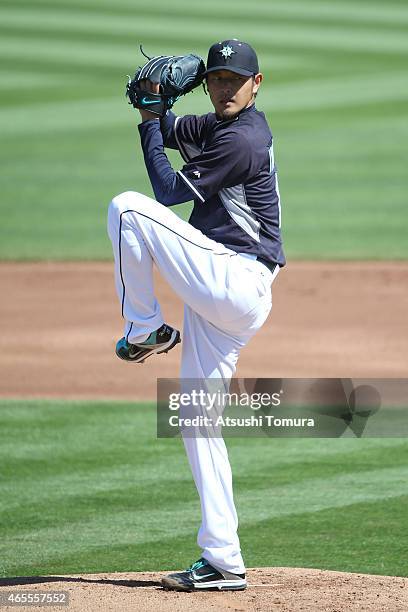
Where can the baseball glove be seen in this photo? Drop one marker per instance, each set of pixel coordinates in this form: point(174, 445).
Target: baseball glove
point(176, 76)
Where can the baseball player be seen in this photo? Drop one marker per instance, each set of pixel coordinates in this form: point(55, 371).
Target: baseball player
point(221, 263)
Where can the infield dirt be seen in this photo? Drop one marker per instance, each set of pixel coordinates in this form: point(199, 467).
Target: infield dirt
point(59, 323)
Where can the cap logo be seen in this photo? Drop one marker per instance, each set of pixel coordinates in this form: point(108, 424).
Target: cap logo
point(226, 52)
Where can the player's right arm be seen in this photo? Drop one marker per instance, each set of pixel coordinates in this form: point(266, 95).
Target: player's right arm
point(182, 133)
point(168, 187)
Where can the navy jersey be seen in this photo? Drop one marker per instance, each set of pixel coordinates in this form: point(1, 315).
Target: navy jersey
point(230, 173)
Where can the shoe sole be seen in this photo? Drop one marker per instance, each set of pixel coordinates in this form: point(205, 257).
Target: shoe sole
point(169, 584)
point(158, 350)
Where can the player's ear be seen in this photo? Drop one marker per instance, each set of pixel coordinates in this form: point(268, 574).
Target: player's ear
point(256, 82)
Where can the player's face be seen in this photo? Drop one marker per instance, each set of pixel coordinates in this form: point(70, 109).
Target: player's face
point(230, 93)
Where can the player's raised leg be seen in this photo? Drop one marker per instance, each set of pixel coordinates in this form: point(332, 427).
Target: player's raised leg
point(197, 268)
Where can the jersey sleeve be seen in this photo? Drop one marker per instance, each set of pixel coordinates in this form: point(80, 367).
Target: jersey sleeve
point(185, 133)
point(225, 162)
point(189, 134)
point(167, 185)
point(167, 130)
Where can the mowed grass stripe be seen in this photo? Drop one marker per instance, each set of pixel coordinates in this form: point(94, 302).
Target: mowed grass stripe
point(393, 14)
point(269, 34)
point(369, 538)
point(22, 80)
point(366, 538)
point(129, 487)
point(76, 434)
point(335, 92)
point(323, 84)
point(66, 431)
point(333, 145)
point(63, 432)
point(104, 54)
point(98, 527)
point(340, 92)
point(66, 509)
point(97, 21)
point(85, 54)
point(64, 116)
point(90, 475)
point(315, 494)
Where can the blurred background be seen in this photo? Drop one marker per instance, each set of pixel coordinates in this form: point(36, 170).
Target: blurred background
point(335, 93)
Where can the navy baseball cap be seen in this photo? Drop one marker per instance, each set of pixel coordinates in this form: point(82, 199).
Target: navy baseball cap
point(233, 55)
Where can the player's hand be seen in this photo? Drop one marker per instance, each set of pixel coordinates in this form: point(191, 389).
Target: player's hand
point(147, 85)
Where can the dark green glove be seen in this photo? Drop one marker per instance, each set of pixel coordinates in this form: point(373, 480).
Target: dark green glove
point(176, 75)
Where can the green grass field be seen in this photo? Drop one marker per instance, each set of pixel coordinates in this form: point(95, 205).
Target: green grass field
point(335, 93)
point(87, 487)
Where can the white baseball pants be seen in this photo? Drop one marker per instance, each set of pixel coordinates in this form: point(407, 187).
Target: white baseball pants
point(227, 298)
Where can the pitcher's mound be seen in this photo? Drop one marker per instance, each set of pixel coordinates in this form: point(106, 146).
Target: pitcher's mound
point(274, 589)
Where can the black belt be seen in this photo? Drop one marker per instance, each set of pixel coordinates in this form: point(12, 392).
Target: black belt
point(271, 265)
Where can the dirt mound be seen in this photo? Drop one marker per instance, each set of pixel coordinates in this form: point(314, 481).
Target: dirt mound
point(277, 589)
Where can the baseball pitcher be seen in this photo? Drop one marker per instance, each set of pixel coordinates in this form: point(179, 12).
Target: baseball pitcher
point(222, 263)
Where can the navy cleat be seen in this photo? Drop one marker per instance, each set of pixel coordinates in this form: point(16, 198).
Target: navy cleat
point(159, 341)
point(202, 576)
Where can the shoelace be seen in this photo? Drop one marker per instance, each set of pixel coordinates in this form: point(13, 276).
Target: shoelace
point(163, 331)
point(197, 565)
